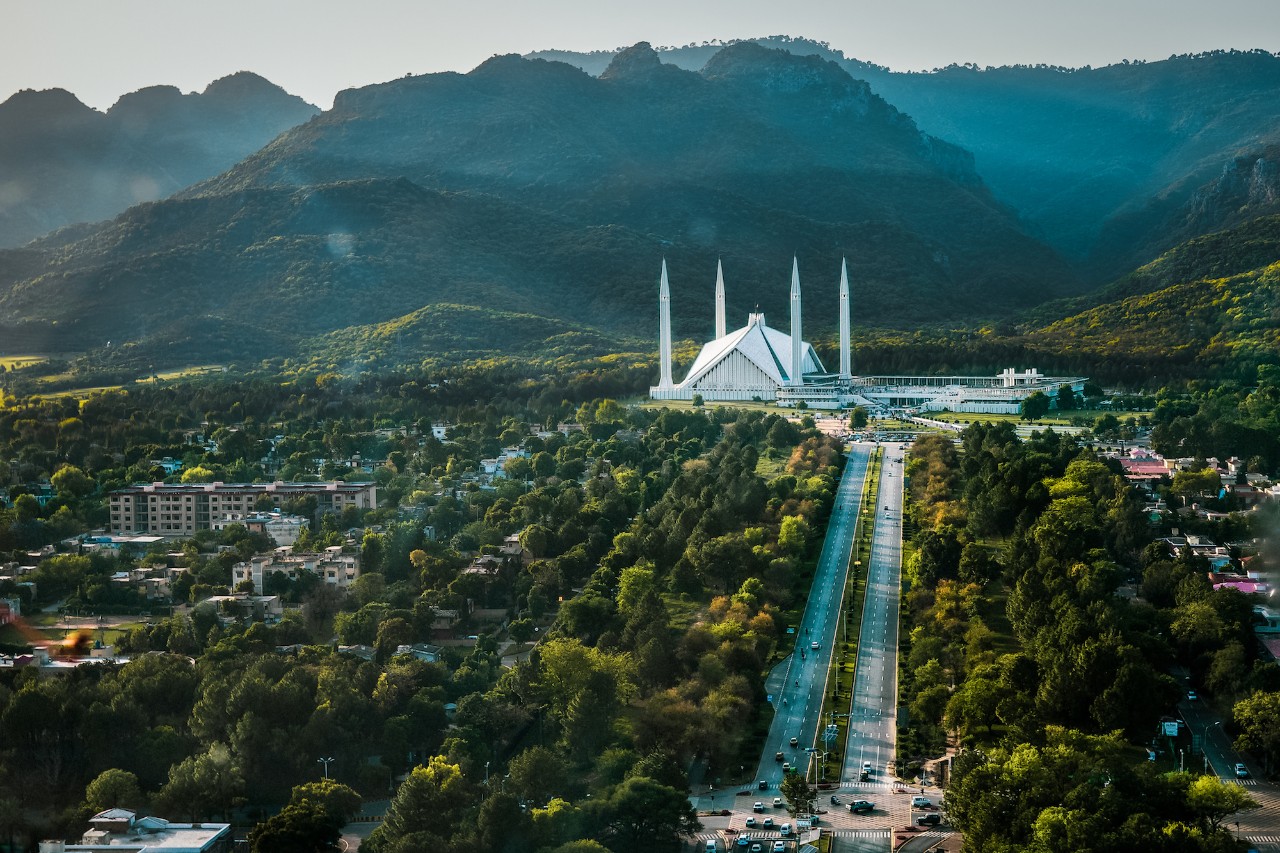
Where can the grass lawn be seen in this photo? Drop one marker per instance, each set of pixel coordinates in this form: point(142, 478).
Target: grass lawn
point(184, 372)
point(993, 614)
point(1055, 419)
point(16, 362)
point(681, 611)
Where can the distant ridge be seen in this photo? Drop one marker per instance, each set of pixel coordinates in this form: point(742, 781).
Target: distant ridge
point(529, 187)
point(62, 162)
point(1093, 159)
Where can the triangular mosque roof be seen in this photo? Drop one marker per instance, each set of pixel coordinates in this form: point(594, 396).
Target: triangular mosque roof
point(766, 348)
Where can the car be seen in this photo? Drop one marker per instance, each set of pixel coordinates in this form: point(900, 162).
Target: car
point(768, 823)
point(1191, 696)
point(835, 801)
point(918, 802)
point(784, 830)
point(886, 507)
point(1242, 772)
point(777, 756)
point(929, 820)
point(743, 841)
point(779, 847)
point(861, 806)
point(751, 821)
point(777, 802)
point(795, 741)
point(764, 784)
point(758, 807)
point(786, 766)
point(756, 848)
point(866, 766)
point(864, 776)
point(712, 846)
point(814, 645)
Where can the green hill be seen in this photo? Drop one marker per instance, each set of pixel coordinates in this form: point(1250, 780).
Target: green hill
point(534, 188)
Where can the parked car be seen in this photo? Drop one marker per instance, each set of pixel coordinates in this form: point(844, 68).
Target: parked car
point(929, 820)
point(861, 806)
point(1242, 772)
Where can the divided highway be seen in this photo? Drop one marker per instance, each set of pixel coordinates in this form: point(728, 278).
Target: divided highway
point(873, 716)
point(798, 683)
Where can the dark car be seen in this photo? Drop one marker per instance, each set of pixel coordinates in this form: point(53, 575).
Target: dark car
point(835, 801)
point(861, 806)
point(929, 820)
point(764, 785)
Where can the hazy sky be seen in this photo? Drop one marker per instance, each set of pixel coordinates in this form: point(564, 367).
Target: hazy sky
point(101, 49)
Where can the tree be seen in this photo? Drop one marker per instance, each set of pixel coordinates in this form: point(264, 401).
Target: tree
point(1066, 398)
point(203, 785)
point(112, 788)
point(641, 814)
point(305, 827)
point(537, 774)
point(1036, 406)
point(1213, 799)
point(71, 482)
point(1258, 717)
point(800, 796)
point(432, 798)
point(337, 799)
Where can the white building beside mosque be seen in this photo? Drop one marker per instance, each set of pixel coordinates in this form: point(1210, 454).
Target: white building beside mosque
point(760, 363)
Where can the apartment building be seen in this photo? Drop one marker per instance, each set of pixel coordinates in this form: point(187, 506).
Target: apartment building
point(332, 566)
point(179, 510)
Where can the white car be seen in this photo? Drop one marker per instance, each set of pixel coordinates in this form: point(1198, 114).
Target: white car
point(1242, 772)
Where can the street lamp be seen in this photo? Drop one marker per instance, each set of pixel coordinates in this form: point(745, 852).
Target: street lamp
point(1204, 743)
point(325, 762)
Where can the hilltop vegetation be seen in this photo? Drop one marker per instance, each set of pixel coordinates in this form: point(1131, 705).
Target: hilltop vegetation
point(531, 187)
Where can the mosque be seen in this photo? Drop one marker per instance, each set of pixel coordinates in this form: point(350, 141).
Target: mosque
point(760, 363)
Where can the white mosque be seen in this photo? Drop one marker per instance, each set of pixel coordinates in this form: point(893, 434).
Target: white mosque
point(757, 362)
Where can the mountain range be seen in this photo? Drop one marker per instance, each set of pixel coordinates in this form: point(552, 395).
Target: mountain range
point(535, 195)
point(531, 186)
point(1094, 159)
point(63, 163)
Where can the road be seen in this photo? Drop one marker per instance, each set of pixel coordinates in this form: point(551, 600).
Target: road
point(874, 711)
point(797, 685)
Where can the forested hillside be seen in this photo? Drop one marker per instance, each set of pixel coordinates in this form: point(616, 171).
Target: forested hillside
point(64, 163)
point(1097, 160)
point(530, 186)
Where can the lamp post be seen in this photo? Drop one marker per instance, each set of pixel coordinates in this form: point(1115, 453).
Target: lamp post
point(325, 762)
point(1204, 744)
